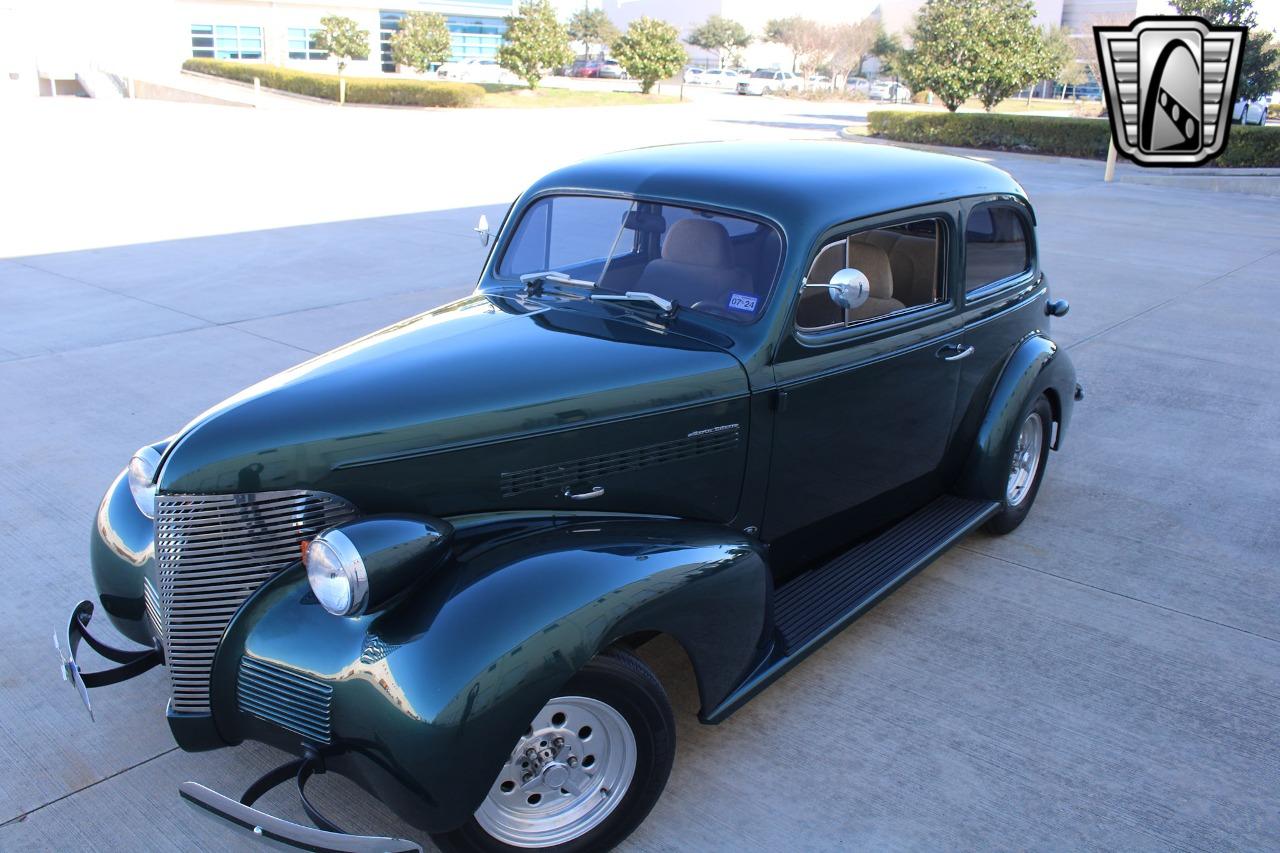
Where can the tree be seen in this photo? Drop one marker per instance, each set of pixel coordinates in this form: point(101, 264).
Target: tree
point(947, 42)
point(650, 51)
point(991, 48)
point(343, 39)
point(421, 41)
point(591, 26)
point(888, 49)
point(535, 42)
point(852, 44)
point(813, 45)
point(1060, 59)
point(784, 31)
point(1014, 52)
point(723, 35)
point(1260, 64)
point(1086, 47)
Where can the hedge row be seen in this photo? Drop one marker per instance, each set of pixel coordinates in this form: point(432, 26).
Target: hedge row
point(360, 90)
point(1247, 147)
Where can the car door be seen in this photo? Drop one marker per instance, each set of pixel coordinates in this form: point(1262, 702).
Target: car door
point(865, 398)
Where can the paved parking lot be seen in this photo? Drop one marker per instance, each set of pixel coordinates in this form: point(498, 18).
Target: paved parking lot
point(1107, 677)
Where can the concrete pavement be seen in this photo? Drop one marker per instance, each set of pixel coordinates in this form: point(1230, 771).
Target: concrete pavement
point(1104, 678)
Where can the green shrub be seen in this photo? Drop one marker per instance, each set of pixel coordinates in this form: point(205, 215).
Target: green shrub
point(1256, 147)
point(1251, 147)
point(1273, 111)
point(360, 90)
point(1066, 137)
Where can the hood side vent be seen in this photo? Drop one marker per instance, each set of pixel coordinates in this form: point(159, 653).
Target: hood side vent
point(598, 467)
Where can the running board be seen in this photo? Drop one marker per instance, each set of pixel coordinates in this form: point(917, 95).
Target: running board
point(818, 604)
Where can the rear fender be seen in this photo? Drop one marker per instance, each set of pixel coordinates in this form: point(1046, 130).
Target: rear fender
point(1037, 366)
point(430, 695)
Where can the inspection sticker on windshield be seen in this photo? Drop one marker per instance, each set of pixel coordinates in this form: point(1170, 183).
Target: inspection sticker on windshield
point(743, 302)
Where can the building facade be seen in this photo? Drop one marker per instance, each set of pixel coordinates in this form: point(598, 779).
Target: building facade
point(150, 39)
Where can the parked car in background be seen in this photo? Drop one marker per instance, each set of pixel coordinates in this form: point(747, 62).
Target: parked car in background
point(891, 91)
point(819, 80)
point(477, 71)
point(766, 81)
point(412, 563)
point(612, 69)
point(720, 78)
point(1250, 112)
point(858, 84)
point(586, 68)
point(692, 74)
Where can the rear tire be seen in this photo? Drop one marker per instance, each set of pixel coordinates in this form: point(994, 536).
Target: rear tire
point(630, 749)
point(1025, 463)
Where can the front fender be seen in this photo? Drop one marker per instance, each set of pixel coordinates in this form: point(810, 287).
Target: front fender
point(429, 696)
point(1037, 366)
point(122, 556)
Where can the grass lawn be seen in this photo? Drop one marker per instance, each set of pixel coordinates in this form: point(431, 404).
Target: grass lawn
point(499, 95)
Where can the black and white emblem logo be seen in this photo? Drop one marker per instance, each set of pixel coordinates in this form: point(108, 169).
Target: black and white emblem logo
point(1169, 84)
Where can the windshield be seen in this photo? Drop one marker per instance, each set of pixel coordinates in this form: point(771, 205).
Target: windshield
point(703, 261)
point(764, 75)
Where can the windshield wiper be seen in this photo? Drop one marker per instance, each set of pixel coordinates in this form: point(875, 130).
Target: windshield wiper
point(668, 306)
point(533, 280)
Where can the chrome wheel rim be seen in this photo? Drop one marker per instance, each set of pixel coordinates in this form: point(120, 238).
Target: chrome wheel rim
point(1026, 460)
point(567, 774)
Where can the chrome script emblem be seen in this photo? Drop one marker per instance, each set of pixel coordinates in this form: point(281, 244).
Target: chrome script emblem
point(1170, 83)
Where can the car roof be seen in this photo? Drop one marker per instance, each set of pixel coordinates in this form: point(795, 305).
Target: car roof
point(800, 185)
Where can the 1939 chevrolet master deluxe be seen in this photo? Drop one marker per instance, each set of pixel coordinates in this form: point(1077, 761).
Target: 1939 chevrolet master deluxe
point(731, 393)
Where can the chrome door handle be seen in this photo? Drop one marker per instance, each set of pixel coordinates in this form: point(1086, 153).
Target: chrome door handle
point(957, 351)
point(596, 491)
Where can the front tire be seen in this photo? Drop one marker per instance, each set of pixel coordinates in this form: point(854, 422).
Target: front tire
point(1026, 464)
point(602, 752)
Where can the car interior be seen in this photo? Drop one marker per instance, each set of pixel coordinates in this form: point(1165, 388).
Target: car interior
point(900, 263)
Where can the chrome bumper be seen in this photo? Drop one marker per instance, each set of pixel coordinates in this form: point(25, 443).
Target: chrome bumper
point(326, 839)
point(131, 663)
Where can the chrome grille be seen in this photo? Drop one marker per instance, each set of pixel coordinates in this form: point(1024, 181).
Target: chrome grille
point(285, 697)
point(151, 603)
point(213, 551)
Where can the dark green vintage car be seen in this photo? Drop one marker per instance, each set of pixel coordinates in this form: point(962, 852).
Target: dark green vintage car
point(730, 393)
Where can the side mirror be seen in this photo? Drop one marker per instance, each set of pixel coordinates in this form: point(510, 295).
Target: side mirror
point(848, 288)
point(482, 228)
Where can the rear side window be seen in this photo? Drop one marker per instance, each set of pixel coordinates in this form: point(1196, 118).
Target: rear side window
point(996, 245)
point(901, 263)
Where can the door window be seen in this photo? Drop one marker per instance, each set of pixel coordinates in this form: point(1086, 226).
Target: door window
point(996, 246)
point(901, 263)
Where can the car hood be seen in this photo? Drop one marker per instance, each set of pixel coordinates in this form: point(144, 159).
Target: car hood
point(480, 370)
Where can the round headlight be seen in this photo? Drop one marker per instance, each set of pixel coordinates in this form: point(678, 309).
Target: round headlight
point(142, 475)
point(337, 574)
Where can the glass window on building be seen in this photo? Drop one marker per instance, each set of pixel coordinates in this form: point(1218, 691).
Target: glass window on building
point(302, 44)
point(226, 41)
point(472, 38)
point(202, 41)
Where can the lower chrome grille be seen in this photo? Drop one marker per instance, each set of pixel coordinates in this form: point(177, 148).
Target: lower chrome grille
point(285, 697)
point(213, 552)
